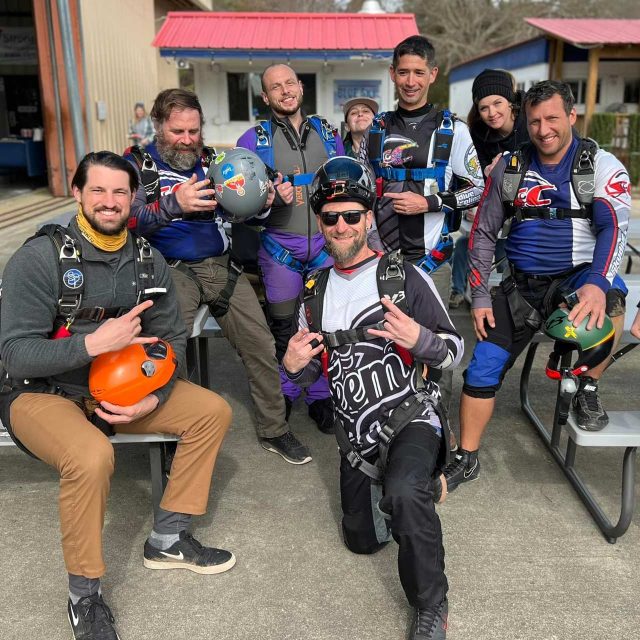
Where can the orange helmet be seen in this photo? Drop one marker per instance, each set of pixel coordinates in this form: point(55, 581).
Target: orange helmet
point(125, 377)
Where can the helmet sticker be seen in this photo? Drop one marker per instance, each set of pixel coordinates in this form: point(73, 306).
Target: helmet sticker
point(570, 331)
point(263, 186)
point(220, 157)
point(227, 170)
point(73, 278)
point(236, 183)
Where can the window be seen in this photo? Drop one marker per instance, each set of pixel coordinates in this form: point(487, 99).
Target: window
point(244, 92)
point(579, 90)
point(632, 90)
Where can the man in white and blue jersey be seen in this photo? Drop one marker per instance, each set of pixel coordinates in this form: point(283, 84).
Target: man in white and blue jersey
point(567, 203)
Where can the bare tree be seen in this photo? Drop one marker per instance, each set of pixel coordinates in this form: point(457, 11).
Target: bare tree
point(464, 29)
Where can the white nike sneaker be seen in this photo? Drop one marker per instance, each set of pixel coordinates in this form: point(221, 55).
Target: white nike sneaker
point(189, 554)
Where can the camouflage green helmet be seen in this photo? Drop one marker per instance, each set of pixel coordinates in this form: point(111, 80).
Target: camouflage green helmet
point(593, 346)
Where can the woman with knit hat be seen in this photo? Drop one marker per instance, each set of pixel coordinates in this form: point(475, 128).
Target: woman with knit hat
point(497, 124)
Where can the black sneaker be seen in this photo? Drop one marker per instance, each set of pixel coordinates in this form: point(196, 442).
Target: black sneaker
point(321, 412)
point(590, 414)
point(430, 623)
point(287, 446)
point(188, 553)
point(91, 619)
point(464, 467)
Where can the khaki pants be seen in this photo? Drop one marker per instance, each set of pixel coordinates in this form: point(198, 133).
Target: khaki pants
point(245, 327)
point(56, 430)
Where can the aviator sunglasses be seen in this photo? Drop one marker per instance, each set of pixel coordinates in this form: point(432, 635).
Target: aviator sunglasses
point(330, 218)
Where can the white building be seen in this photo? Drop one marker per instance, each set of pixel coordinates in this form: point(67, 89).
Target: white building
point(338, 56)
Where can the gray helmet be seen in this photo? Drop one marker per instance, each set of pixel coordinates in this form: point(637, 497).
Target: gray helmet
point(241, 183)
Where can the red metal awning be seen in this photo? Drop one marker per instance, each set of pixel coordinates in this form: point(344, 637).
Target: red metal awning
point(585, 32)
point(224, 31)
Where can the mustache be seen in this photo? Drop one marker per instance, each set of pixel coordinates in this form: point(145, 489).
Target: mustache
point(117, 209)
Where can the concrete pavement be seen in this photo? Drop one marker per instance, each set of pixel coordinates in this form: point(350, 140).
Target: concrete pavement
point(524, 559)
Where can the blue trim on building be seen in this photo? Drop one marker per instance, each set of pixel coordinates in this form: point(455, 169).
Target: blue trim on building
point(523, 55)
point(574, 54)
point(225, 54)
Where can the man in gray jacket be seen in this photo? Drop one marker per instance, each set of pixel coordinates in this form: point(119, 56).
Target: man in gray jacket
point(50, 336)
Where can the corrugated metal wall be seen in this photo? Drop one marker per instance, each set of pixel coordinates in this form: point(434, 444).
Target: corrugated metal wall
point(121, 66)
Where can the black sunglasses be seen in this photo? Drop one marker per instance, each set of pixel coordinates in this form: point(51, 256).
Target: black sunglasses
point(330, 218)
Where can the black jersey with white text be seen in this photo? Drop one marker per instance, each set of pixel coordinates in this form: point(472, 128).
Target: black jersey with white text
point(369, 379)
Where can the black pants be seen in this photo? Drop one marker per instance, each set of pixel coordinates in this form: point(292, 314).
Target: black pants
point(405, 497)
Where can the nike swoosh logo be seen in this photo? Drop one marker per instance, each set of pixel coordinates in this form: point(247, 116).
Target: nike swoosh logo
point(469, 472)
point(74, 617)
point(175, 556)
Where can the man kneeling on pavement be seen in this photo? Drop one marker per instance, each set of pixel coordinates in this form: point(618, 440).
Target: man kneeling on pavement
point(374, 351)
point(47, 349)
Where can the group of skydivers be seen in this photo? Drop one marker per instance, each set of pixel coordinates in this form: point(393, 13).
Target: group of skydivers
point(355, 254)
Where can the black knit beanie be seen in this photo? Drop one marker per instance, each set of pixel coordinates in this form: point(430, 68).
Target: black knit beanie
point(492, 82)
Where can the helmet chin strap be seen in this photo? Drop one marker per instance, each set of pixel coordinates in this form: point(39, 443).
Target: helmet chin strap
point(614, 357)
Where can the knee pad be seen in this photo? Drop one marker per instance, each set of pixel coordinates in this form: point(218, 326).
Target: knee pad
point(487, 367)
point(475, 392)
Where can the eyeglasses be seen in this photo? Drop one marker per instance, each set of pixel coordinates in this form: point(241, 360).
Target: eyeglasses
point(330, 218)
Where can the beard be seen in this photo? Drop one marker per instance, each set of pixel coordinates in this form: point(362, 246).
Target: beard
point(181, 157)
point(344, 255)
point(279, 110)
point(103, 229)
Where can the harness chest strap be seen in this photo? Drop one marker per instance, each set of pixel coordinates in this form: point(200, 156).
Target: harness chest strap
point(264, 143)
point(72, 281)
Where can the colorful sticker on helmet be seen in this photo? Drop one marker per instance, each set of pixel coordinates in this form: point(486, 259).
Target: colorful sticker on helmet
point(219, 189)
point(227, 170)
point(570, 331)
point(220, 157)
point(73, 278)
point(236, 184)
point(471, 162)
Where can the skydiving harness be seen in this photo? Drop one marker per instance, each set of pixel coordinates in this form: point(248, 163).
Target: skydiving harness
point(522, 313)
point(264, 143)
point(283, 256)
point(264, 148)
point(151, 182)
point(71, 289)
point(72, 280)
point(390, 277)
point(582, 183)
point(442, 145)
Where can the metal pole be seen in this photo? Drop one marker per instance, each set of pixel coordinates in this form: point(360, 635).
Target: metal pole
point(70, 67)
point(56, 93)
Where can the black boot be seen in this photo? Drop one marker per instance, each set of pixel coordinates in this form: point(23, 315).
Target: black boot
point(321, 412)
